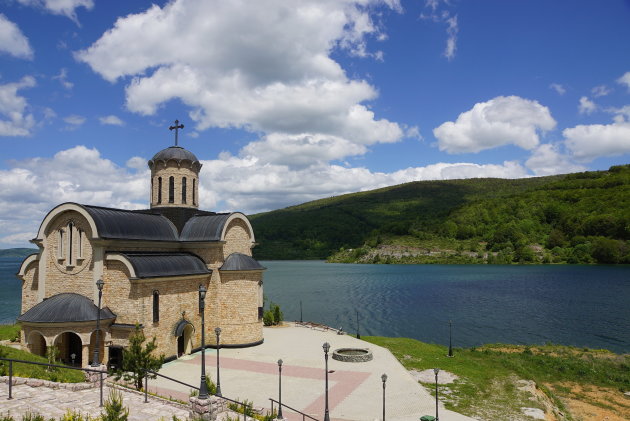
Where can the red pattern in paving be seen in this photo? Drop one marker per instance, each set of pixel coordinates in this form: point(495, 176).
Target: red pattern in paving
point(341, 382)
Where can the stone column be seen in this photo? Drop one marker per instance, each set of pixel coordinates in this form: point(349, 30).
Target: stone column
point(85, 355)
point(206, 409)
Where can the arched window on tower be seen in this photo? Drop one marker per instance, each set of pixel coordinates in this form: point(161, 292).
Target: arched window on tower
point(70, 232)
point(156, 306)
point(183, 189)
point(171, 189)
point(60, 245)
point(159, 190)
point(194, 194)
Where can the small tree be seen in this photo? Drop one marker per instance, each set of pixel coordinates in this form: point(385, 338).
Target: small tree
point(114, 409)
point(137, 358)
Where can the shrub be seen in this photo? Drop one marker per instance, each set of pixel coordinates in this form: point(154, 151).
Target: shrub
point(114, 409)
point(137, 358)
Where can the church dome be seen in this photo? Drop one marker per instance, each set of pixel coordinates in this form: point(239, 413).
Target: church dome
point(176, 153)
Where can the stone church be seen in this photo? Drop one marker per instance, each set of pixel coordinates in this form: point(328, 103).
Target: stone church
point(152, 263)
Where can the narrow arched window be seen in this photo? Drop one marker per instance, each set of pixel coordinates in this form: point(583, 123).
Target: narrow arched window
point(70, 229)
point(60, 246)
point(156, 306)
point(171, 189)
point(194, 197)
point(159, 190)
point(184, 190)
point(80, 244)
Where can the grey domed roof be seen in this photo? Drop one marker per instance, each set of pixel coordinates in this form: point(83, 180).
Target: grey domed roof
point(240, 261)
point(65, 307)
point(175, 152)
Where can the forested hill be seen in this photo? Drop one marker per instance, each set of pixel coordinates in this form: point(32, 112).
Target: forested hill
point(17, 252)
point(574, 218)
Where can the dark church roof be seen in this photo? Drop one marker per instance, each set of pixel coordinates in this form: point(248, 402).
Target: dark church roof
point(204, 227)
point(153, 265)
point(176, 153)
point(66, 307)
point(131, 225)
point(240, 261)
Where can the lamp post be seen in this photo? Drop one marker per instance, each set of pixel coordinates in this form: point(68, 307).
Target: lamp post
point(436, 371)
point(326, 347)
point(384, 378)
point(450, 338)
point(280, 417)
point(217, 330)
point(358, 336)
point(96, 362)
point(203, 387)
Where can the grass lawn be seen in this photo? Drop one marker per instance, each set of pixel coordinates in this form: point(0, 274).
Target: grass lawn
point(36, 371)
point(9, 332)
point(490, 384)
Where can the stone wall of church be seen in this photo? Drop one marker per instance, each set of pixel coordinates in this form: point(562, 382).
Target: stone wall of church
point(69, 269)
point(121, 296)
point(238, 307)
point(30, 286)
point(173, 170)
point(238, 238)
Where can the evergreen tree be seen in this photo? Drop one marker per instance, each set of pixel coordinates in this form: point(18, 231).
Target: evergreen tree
point(137, 358)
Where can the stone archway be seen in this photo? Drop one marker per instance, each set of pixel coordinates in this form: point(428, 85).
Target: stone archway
point(70, 348)
point(101, 347)
point(184, 332)
point(188, 333)
point(36, 344)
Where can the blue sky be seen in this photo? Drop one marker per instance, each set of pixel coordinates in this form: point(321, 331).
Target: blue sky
point(286, 102)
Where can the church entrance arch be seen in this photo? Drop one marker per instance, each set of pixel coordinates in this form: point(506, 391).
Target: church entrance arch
point(101, 346)
point(37, 344)
point(70, 348)
point(184, 332)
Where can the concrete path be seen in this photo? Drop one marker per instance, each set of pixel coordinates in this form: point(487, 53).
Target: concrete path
point(355, 389)
point(55, 403)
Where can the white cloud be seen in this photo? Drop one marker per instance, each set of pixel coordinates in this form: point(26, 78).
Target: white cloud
point(13, 41)
point(547, 160)
point(497, 122)
point(62, 77)
point(60, 7)
point(15, 120)
point(451, 41)
point(269, 70)
point(74, 120)
point(586, 106)
point(625, 80)
point(444, 16)
point(558, 88)
point(601, 90)
point(587, 142)
point(33, 186)
point(111, 120)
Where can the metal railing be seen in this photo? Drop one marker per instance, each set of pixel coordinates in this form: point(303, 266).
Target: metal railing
point(304, 416)
point(146, 392)
point(11, 361)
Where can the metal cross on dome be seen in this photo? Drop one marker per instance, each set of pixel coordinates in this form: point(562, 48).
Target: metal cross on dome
point(176, 127)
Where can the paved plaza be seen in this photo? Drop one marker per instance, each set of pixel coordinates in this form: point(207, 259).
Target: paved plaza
point(55, 403)
point(355, 389)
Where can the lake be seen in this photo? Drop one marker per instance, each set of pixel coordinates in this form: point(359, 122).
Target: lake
point(586, 306)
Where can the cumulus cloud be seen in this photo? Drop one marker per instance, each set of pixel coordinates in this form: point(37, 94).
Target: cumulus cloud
point(60, 7)
point(30, 188)
point(497, 122)
point(587, 142)
point(601, 90)
point(625, 80)
point(13, 41)
point(547, 160)
point(558, 88)
point(15, 120)
point(269, 70)
point(111, 120)
point(586, 106)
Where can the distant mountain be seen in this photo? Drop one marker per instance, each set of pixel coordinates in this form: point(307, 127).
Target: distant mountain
point(572, 218)
point(17, 252)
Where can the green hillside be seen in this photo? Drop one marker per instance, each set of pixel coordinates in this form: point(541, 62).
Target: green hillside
point(17, 252)
point(575, 218)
